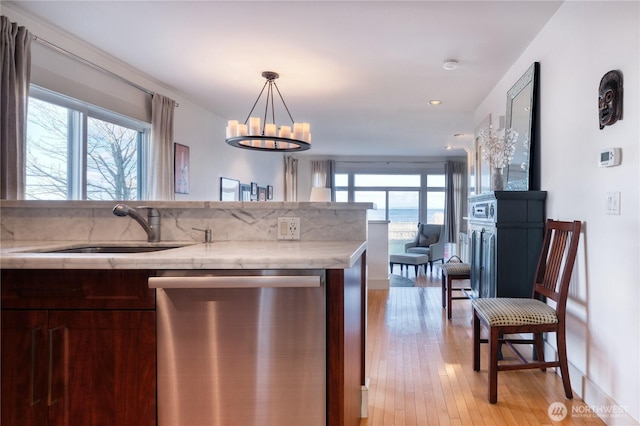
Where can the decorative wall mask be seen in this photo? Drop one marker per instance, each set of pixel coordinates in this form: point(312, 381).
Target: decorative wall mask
point(610, 98)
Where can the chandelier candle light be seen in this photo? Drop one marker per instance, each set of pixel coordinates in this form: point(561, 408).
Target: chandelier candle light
point(498, 150)
point(249, 135)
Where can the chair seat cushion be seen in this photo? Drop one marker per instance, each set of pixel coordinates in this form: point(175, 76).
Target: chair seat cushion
point(409, 258)
point(500, 311)
point(419, 250)
point(456, 268)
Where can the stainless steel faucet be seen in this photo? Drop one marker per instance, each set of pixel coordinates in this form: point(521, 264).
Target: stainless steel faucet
point(151, 226)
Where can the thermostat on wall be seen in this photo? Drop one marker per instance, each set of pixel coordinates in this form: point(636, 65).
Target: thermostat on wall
point(610, 157)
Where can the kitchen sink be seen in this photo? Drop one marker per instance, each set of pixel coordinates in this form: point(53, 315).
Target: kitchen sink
point(98, 249)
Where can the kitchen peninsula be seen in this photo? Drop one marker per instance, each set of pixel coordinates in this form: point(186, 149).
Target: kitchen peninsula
point(80, 298)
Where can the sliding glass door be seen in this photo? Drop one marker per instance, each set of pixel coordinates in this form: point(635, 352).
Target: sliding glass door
point(404, 214)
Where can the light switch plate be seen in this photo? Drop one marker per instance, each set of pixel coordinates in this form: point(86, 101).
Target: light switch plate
point(288, 228)
point(613, 203)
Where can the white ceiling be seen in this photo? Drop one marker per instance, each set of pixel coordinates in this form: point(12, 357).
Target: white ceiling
point(361, 72)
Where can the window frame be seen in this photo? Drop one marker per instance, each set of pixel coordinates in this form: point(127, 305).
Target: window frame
point(424, 171)
point(77, 140)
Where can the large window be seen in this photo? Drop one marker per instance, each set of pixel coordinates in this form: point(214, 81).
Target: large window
point(404, 199)
point(76, 151)
point(434, 193)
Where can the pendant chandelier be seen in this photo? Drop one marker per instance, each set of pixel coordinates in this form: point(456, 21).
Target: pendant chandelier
point(251, 135)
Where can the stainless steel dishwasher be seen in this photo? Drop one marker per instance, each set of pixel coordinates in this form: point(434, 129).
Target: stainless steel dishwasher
point(241, 347)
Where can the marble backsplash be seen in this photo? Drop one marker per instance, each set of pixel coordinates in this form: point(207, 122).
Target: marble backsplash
point(229, 221)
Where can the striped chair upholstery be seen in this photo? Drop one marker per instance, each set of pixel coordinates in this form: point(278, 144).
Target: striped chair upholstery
point(512, 311)
point(454, 271)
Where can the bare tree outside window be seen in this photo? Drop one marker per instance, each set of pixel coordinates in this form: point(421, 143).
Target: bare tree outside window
point(55, 156)
point(47, 154)
point(112, 161)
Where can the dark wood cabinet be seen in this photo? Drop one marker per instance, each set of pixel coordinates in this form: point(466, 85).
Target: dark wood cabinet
point(506, 230)
point(24, 368)
point(78, 347)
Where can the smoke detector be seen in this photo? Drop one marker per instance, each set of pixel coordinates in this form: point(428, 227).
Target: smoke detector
point(450, 64)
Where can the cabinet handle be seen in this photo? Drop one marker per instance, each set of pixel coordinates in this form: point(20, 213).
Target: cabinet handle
point(35, 399)
point(233, 282)
point(481, 252)
point(50, 398)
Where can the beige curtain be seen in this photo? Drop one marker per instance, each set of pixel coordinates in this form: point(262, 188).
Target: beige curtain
point(161, 180)
point(290, 178)
point(322, 173)
point(15, 76)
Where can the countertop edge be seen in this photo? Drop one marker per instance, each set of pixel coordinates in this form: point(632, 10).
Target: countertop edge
point(217, 255)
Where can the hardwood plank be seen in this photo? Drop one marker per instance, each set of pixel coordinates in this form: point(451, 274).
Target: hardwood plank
point(420, 372)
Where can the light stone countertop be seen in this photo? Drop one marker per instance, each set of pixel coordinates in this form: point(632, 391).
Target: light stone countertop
point(216, 255)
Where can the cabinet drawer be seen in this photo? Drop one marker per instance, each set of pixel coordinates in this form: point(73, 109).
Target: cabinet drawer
point(76, 289)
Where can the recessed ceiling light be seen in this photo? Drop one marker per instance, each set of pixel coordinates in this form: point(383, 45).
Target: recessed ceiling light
point(450, 64)
point(435, 102)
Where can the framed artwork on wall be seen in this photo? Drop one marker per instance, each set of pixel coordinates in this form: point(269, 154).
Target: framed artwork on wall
point(269, 192)
point(254, 190)
point(245, 192)
point(181, 168)
point(229, 189)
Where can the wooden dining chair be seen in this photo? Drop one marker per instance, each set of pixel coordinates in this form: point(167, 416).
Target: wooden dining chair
point(508, 316)
point(454, 271)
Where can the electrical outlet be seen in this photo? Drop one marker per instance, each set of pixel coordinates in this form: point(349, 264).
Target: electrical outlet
point(288, 228)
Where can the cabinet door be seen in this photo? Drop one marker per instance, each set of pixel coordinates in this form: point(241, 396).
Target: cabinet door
point(88, 289)
point(103, 368)
point(488, 264)
point(476, 262)
point(24, 368)
point(483, 263)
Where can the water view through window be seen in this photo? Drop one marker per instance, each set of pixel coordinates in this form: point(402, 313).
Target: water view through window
point(403, 200)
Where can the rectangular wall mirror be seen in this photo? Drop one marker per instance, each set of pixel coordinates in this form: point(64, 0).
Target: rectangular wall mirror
point(522, 173)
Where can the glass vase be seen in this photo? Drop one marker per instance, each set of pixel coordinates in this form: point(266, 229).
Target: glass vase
point(497, 179)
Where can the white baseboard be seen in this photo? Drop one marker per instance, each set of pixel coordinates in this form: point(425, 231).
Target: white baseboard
point(599, 404)
point(603, 406)
point(364, 400)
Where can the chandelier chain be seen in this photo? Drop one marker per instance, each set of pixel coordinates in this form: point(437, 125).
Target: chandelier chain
point(256, 102)
point(283, 102)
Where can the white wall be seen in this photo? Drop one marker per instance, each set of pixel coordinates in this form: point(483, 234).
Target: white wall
point(201, 130)
point(576, 48)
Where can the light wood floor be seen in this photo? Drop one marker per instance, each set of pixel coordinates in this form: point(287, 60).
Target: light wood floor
point(419, 366)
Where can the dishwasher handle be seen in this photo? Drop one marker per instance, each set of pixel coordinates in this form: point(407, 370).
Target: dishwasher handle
point(240, 281)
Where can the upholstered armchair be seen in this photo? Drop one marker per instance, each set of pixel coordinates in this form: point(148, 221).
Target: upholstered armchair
point(429, 240)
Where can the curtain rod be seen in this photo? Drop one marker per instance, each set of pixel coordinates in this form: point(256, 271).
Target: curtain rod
point(391, 162)
point(92, 65)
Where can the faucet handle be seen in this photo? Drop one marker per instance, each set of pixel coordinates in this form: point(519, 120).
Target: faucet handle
point(207, 234)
